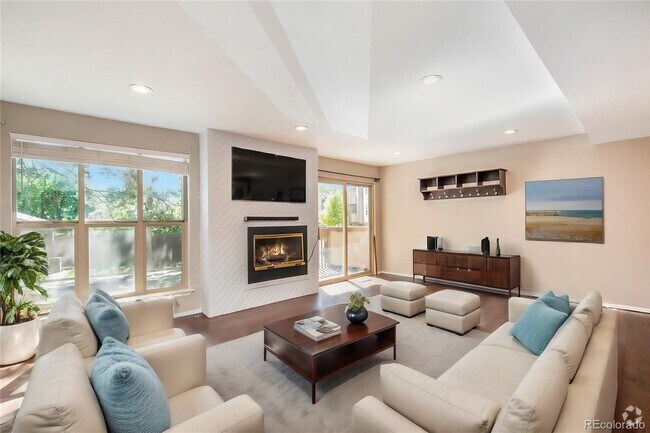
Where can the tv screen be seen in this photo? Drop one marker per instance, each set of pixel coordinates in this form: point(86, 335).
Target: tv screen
point(263, 176)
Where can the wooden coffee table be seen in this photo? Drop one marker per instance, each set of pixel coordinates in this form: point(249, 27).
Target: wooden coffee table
point(316, 361)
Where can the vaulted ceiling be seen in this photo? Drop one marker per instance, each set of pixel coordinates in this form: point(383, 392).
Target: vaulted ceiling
point(350, 71)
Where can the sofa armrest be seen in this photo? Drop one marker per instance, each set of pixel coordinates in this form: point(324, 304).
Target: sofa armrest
point(149, 315)
point(239, 415)
point(435, 406)
point(179, 363)
point(516, 306)
point(370, 415)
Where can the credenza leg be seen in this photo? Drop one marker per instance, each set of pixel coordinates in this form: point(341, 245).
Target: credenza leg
point(519, 291)
point(264, 353)
point(313, 393)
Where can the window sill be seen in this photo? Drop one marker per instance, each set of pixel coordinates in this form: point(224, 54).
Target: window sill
point(170, 294)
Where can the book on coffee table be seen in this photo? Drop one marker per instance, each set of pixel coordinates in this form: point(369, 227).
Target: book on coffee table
point(317, 328)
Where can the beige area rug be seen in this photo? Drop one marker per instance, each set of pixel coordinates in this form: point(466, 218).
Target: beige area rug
point(352, 285)
point(237, 367)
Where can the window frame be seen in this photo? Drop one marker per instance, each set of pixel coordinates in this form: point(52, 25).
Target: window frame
point(81, 234)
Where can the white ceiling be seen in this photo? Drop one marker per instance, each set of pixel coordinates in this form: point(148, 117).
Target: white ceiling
point(348, 70)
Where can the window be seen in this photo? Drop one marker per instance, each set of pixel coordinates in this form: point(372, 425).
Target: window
point(119, 229)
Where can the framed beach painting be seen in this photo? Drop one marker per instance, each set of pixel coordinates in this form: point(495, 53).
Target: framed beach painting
point(568, 210)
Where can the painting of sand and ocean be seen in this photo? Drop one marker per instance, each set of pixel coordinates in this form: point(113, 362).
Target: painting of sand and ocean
point(569, 210)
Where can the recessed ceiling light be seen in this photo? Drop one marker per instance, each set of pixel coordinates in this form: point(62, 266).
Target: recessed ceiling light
point(300, 128)
point(140, 88)
point(431, 79)
point(510, 131)
point(397, 153)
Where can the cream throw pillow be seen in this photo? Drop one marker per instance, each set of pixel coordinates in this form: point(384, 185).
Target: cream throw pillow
point(571, 340)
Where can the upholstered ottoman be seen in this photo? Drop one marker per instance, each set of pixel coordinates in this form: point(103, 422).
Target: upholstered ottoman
point(453, 310)
point(403, 298)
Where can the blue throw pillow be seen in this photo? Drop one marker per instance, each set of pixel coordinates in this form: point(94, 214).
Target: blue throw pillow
point(537, 325)
point(130, 393)
point(106, 319)
point(557, 302)
point(108, 297)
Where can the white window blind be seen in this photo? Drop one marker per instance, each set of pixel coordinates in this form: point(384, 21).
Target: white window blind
point(54, 149)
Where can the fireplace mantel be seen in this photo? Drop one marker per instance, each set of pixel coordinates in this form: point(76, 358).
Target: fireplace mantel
point(270, 218)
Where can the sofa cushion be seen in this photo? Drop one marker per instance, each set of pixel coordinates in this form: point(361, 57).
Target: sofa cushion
point(67, 323)
point(592, 305)
point(130, 394)
point(571, 340)
point(536, 403)
point(502, 338)
point(155, 338)
point(537, 325)
point(453, 302)
point(108, 297)
point(59, 397)
point(556, 302)
point(190, 403)
point(106, 319)
point(435, 406)
point(490, 371)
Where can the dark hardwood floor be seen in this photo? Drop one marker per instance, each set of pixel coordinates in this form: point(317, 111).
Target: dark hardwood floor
point(494, 312)
point(633, 342)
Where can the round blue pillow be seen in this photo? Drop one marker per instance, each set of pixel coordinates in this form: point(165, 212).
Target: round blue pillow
point(130, 394)
point(106, 319)
point(108, 297)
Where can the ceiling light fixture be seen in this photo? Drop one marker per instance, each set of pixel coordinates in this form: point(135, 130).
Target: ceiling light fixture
point(300, 128)
point(397, 153)
point(430, 80)
point(140, 88)
point(510, 131)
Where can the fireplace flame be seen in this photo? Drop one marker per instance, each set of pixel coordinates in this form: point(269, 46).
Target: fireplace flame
point(271, 251)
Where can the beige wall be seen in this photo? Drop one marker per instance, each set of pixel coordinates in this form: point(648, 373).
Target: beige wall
point(619, 268)
point(56, 124)
point(347, 167)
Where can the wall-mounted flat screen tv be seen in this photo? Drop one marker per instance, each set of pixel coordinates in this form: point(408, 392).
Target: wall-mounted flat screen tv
point(260, 176)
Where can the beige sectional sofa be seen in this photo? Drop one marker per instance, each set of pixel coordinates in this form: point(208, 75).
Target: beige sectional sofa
point(151, 321)
point(500, 386)
point(60, 397)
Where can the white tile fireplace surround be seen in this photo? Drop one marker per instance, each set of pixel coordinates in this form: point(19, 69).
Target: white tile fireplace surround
point(224, 234)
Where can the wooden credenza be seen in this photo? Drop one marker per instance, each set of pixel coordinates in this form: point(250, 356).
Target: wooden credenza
point(496, 272)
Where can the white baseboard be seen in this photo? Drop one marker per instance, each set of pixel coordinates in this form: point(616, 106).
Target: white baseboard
point(538, 294)
point(187, 313)
point(418, 277)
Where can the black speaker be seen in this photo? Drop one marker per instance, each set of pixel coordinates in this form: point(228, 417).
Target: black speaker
point(485, 246)
point(432, 242)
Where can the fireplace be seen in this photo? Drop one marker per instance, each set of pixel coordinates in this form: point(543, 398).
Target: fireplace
point(276, 252)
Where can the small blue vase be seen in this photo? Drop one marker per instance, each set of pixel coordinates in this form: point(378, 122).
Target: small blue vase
point(358, 316)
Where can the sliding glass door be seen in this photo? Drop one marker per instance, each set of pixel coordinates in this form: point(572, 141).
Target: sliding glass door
point(345, 229)
point(358, 229)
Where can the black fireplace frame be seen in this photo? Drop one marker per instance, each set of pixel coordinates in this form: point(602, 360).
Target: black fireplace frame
point(277, 273)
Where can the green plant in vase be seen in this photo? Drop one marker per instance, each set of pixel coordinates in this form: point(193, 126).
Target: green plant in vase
point(356, 309)
point(23, 264)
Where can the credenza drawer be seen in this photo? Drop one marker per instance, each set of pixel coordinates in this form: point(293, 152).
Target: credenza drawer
point(426, 270)
point(462, 275)
point(457, 261)
point(428, 257)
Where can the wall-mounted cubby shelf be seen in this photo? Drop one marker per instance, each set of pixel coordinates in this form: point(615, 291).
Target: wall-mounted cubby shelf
point(484, 183)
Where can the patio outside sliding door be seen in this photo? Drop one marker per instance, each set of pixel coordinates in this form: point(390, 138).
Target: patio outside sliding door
point(345, 215)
